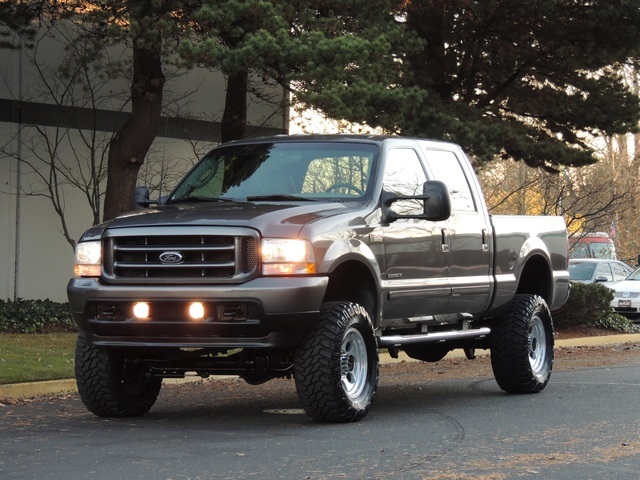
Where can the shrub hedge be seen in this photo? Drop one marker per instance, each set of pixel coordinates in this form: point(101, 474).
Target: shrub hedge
point(35, 316)
point(589, 304)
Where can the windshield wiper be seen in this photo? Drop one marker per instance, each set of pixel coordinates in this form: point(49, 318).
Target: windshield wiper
point(279, 196)
point(199, 200)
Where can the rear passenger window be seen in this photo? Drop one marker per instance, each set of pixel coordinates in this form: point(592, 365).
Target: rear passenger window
point(446, 167)
point(620, 272)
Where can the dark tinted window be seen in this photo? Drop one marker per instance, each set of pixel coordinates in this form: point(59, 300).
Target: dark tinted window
point(327, 170)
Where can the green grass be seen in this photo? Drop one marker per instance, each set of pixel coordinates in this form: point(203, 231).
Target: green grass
point(36, 357)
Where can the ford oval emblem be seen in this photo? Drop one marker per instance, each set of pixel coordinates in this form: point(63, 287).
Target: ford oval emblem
point(171, 258)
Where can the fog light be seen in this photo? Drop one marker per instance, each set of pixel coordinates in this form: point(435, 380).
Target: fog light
point(141, 310)
point(196, 311)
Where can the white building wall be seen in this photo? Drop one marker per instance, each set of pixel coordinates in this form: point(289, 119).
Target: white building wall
point(7, 217)
point(43, 257)
point(9, 78)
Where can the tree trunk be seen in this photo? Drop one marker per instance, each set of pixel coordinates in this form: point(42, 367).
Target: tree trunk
point(428, 19)
point(130, 145)
point(234, 118)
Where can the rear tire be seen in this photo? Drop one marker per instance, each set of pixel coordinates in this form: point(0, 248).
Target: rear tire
point(111, 387)
point(336, 366)
point(522, 345)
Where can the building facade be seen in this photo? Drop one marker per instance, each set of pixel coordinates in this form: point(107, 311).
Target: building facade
point(56, 120)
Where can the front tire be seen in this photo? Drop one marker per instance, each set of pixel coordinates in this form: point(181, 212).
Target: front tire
point(111, 387)
point(522, 345)
point(336, 366)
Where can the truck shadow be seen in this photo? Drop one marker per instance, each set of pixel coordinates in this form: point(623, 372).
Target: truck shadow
point(207, 404)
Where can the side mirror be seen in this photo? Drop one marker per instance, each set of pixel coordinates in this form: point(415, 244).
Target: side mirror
point(437, 205)
point(141, 198)
point(435, 200)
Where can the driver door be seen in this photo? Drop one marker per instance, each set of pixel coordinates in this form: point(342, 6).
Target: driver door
point(416, 265)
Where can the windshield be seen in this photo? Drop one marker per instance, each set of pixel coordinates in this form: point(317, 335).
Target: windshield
point(602, 250)
point(635, 275)
point(280, 172)
point(587, 248)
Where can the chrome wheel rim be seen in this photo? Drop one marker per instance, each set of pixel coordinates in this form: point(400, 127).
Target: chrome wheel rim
point(353, 364)
point(537, 345)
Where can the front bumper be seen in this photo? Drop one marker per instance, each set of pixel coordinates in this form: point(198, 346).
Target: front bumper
point(276, 312)
point(629, 307)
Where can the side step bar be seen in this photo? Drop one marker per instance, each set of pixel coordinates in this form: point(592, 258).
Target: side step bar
point(397, 340)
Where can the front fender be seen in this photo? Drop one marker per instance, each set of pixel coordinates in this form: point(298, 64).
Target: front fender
point(344, 250)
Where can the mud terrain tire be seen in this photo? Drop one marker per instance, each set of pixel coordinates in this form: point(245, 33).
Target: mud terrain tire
point(522, 345)
point(336, 366)
point(109, 386)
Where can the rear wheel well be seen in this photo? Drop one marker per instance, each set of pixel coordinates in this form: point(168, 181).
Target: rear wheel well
point(353, 282)
point(536, 278)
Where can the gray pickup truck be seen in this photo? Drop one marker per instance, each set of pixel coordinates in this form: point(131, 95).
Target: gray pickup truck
point(303, 257)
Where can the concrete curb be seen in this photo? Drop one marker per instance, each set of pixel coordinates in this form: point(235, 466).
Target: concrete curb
point(56, 387)
point(68, 386)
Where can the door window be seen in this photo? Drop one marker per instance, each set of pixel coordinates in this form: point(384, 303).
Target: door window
point(445, 166)
point(620, 272)
point(404, 175)
point(604, 271)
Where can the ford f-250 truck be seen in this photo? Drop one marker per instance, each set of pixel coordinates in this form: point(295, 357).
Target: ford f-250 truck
point(296, 256)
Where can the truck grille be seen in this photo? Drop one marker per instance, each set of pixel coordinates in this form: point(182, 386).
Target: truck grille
point(161, 257)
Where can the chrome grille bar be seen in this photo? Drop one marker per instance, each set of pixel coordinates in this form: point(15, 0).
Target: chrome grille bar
point(213, 254)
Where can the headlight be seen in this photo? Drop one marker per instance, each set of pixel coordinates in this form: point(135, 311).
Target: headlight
point(287, 257)
point(88, 259)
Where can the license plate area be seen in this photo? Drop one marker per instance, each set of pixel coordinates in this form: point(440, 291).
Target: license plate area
point(624, 303)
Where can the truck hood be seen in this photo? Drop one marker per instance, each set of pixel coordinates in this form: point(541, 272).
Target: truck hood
point(279, 219)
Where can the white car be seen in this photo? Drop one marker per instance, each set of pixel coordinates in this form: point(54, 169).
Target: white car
point(598, 270)
point(626, 296)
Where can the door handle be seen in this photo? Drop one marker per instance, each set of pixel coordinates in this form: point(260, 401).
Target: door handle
point(444, 246)
point(485, 240)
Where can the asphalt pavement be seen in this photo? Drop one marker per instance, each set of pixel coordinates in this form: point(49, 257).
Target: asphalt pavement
point(67, 386)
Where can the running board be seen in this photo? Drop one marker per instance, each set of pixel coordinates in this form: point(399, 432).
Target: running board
point(397, 340)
